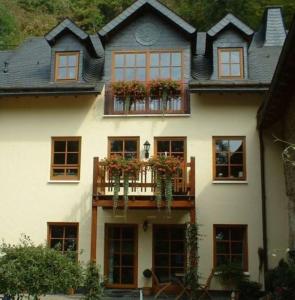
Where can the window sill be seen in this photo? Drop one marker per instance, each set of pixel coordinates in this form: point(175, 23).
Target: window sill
point(63, 181)
point(218, 273)
point(146, 115)
point(230, 181)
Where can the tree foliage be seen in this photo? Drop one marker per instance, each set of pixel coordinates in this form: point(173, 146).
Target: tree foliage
point(22, 18)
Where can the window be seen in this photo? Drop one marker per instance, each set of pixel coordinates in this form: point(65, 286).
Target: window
point(146, 66)
point(229, 158)
point(127, 147)
point(230, 245)
point(65, 160)
point(171, 146)
point(230, 63)
point(66, 65)
point(169, 255)
point(63, 236)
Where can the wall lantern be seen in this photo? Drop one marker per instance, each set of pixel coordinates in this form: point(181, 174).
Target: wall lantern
point(146, 147)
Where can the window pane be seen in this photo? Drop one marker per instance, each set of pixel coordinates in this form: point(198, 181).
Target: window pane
point(116, 146)
point(177, 146)
point(73, 146)
point(176, 59)
point(165, 73)
point(128, 233)
point(176, 73)
point(236, 171)
point(130, 146)
point(224, 56)
point(236, 145)
point(177, 260)
point(222, 158)
point(59, 158)
point(70, 231)
point(58, 172)
point(162, 247)
point(72, 172)
point(59, 146)
point(154, 59)
point(119, 74)
point(72, 60)
point(62, 60)
point(235, 70)
point(236, 158)
point(70, 245)
point(163, 146)
point(129, 74)
point(62, 73)
point(237, 259)
point(222, 248)
point(140, 60)
point(237, 234)
point(127, 275)
point(237, 248)
point(56, 231)
point(130, 60)
point(127, 260)
point(165, 59)
point(222, 234)
point(225, 71)
point(71, 73)
point(235, 57)
point(222, 145)
point(72, 158)
point(177, 233)
point(162, 260)
point(119, 60)
point(56, 244)
point(140, 74)
point(154, 73)
point(221, 171)
point(222, 260)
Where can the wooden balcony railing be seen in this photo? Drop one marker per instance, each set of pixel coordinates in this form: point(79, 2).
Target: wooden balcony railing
point(177, 103)
point(142, 188)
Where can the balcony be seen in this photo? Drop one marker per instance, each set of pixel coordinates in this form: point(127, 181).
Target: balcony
point(141, 193)
point(176, 103)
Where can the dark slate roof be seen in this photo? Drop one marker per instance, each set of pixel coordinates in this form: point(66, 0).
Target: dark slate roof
point(230, 19)
point(159, 7)
point(28, 69)
point(282, 86)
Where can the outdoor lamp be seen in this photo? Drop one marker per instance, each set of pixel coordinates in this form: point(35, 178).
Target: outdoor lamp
point(146, 147)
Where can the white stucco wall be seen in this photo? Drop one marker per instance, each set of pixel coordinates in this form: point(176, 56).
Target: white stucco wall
point(29, 200)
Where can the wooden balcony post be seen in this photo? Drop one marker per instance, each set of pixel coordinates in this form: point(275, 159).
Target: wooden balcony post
point(95, 176)
point(93, 233)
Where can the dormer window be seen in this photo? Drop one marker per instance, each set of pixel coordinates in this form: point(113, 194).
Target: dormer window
point(66, 66)
point(230, 63)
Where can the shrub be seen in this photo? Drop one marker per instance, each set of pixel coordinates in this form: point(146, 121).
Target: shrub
point(281, 281)
point(230, 274)
point(36, 270)
point(249, 290)
point(93, 282)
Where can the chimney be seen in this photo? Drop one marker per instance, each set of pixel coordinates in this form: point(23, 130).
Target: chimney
point(275, 32)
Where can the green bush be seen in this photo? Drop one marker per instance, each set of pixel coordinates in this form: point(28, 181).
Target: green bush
point(36, 270)
point(230, 274)
point(93, 283)
point(281, 281)
point(249, 290)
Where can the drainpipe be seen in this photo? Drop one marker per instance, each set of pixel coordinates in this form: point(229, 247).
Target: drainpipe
point(263, 199)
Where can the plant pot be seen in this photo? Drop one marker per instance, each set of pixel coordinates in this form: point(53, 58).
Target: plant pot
point(147, 291)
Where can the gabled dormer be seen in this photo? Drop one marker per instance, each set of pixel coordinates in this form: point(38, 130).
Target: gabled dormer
point(75, 55)
point(230, 39)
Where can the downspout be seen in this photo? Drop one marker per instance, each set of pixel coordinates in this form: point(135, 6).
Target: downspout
point(263, 200)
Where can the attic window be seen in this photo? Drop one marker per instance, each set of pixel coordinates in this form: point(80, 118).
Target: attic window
point(230, 63)
point(66, 66)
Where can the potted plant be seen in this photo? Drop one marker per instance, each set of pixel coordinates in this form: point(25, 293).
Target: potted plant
point(165, 168)
point(129, 92)
point(163, 88)
point(147, 274)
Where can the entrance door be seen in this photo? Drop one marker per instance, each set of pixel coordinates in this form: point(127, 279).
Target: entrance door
point(169, 255)
point(121, 256)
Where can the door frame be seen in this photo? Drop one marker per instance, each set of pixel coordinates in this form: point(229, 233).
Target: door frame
point(106, 256)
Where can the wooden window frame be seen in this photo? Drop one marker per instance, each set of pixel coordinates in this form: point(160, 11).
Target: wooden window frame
point(245, 243)
point(64, 225)
point(56, 69)
point(124, 139)
point(215, 177)
point(155, 226)
point(241, 63)
point(65, 166)
point(170, 138)
point(106, 254)
point(148, 62)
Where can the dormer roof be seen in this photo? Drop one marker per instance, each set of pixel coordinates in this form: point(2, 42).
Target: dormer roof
point(230, 20)
point(154, 4)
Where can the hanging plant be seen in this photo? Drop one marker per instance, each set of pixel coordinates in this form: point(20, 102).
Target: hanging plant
point(163, 88)
point(129, 92)
point(165, 168)
point(118, 167)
